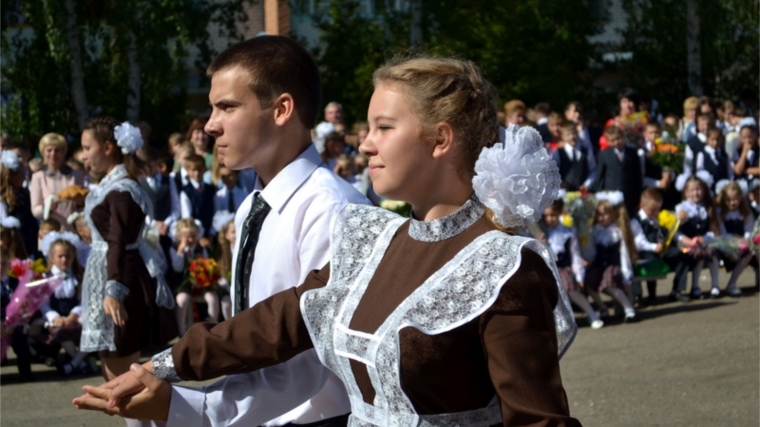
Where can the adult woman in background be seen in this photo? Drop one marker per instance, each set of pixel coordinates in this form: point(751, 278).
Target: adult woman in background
point(52, 178)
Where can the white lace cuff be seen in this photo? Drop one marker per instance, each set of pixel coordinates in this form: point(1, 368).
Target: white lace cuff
point(116, 290)
point(163, 367)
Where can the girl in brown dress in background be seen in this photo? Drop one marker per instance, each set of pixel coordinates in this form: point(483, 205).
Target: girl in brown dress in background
point(125, 300)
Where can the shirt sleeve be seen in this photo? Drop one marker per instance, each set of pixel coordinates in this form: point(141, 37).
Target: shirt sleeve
point(249, 399)
point(125, 220)
point(640, 239)
point(520, 323)
point(273, 332)
point(35, 193)
point(749, 225)
point(626, 268)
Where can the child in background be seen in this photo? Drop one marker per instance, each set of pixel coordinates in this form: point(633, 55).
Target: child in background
point(344, 168)
point(713, 159)
point(735, 220)
point(63, 309)
point(564, 243)
point(698, 225)
point(747, 160)
point(335, 143)
point(230, 196)
point(613, 254)
point(196, 198)
point(224, 222)
point(18, 336)
point(696, 143)
point(187, 234)
point(576, 165)
point(649, 238)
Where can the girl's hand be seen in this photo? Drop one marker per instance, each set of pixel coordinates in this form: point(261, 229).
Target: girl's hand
point(59, 321)
point(71, 319)
point(682, 216)
point(115, 310)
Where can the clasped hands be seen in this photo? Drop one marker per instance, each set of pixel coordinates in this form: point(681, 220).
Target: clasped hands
point(136, 393)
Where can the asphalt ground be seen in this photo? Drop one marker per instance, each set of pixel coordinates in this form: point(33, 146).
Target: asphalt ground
point(683, 364)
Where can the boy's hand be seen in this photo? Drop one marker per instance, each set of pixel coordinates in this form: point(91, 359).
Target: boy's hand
point(204, 242)
point(659, 248)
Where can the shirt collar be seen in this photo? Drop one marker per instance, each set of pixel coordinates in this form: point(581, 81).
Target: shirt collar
point(279, 191)
point(448, 226)
point(569, 149)
point(643, 216)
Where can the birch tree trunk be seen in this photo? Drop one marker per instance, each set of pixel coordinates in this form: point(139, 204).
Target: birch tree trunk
point(133, 80)
point(693, 48)
point(75, 63)
point(415, 32)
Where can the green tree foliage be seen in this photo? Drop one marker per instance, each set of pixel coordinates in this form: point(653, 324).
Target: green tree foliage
point(529, 49)
point(36, 88)
point(656, 35)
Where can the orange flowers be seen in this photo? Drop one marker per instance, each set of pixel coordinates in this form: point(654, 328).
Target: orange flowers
point(204, 273)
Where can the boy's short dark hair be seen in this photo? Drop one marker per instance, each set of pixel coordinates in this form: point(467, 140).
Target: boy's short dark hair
point(568, 126)
point(542, 108)
point(651, 194)
point(714, 131)
point(51, 223)
point(196, 162)
point(653, 125)
point(558, 206)
point(166, 159)
point(276, 65)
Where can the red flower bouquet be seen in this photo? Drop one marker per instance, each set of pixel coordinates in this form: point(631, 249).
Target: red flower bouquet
point(203, 274)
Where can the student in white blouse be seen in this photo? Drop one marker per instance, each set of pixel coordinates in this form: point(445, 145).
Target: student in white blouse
point(272, 135)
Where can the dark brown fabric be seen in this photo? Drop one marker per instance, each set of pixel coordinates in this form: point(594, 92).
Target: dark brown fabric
point(119, 220)
point(509, 351)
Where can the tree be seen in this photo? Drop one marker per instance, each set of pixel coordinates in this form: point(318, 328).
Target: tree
point(658, 34)
point(529, 49)
point(124, 59)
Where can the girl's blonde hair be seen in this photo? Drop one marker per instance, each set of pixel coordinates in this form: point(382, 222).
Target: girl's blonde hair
point(447, 90)
point(732, 189)
point(225, 251)
point(623, 222)
point(187, 224)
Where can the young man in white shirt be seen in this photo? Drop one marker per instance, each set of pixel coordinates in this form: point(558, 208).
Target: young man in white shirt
point(265, 93)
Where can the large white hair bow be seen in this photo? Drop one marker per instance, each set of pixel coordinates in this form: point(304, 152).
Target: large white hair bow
point(516, 178)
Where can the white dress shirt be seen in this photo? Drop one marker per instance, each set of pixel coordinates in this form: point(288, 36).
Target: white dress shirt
point(294, 240)
point(639, 238)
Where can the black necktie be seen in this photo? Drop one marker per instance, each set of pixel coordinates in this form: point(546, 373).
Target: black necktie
point(230, 201)
point(248, 239)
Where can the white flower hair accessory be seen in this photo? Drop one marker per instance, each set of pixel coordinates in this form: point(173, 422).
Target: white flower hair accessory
point(10, 222)
point(128, 137)
point(10, 160)
point(71, 219)
point(724, 182)
point(516, 178)
point(614, 197)
point(221, 219)
point(706, 177)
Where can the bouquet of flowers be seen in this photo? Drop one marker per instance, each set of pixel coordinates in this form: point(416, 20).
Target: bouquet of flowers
point(755, 240)
point(669, 221)
point(668, 154)
point(203, 274)
point(633, 127)
point(29, 295)
point(730, 247)
point(580, 207)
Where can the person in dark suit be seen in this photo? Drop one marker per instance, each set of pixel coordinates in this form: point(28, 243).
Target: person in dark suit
point(619, 168)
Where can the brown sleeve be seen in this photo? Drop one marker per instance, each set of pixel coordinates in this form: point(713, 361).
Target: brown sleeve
point(269, 333)
point(520, 344)
point(125, 221)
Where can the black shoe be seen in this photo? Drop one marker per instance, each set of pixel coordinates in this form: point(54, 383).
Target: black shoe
point(50, 361)
point(676, 296)
point(631, 318)
point(697, 295)
point(604, 315)
point(651, 300)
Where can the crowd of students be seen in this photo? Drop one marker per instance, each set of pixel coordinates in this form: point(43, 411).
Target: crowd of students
point(714, 192)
